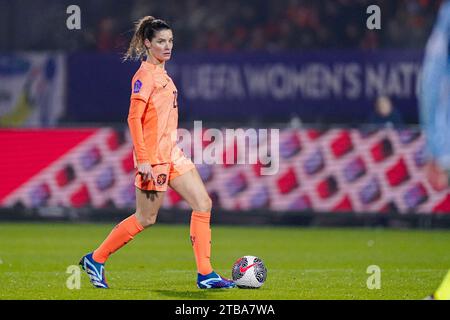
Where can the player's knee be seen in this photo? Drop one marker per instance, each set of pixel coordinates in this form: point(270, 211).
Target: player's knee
point(204, 204)
point(146, 220)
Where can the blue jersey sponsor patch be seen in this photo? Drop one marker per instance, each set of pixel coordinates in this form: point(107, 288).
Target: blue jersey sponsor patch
point(137, 86)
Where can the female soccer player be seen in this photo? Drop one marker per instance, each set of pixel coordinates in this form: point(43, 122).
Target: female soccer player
point(153, 121)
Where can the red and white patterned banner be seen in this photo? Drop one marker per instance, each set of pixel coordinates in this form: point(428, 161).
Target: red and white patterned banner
point(337, 170)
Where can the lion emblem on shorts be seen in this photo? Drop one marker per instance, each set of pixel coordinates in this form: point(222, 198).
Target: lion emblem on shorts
point(161, 179)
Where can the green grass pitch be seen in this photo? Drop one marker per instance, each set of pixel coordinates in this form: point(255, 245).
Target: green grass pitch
point(302, 263)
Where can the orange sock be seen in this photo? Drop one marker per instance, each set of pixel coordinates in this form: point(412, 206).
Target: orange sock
point(201, 240)
point(119, 236)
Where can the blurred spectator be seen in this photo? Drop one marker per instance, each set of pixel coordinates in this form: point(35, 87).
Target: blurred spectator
point(105, 34)
point(108, 39)
point(230, 25)
point(384, 114)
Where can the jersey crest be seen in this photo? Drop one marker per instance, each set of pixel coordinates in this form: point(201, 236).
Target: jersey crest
point(137, 86)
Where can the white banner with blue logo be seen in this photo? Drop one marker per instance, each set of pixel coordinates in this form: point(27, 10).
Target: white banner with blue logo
point(32, 89)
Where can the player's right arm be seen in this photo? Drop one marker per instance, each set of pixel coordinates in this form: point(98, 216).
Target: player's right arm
point(434, 101)
point(435, 68)
point(142, 88)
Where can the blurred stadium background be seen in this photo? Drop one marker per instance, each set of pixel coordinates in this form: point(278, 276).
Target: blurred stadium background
point(310, 68)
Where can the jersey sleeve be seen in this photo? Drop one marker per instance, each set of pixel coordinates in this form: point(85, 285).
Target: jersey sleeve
point(142, 86)
point(137, 109)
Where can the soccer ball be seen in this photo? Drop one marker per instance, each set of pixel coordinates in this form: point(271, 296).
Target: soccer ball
point(249, 272)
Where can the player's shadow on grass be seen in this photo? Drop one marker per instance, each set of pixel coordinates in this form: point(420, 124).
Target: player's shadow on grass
point(203, 294)
point(131, 289)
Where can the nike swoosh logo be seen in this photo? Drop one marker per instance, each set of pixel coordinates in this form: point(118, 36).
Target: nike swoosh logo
point(243, 269)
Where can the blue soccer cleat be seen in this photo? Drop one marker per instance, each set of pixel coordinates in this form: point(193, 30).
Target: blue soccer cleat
point(214, 281)
point(95, 271)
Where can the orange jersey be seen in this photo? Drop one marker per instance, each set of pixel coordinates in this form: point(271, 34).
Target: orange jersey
point(153, 122)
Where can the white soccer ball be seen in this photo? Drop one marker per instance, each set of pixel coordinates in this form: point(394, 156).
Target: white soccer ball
point(249, 272)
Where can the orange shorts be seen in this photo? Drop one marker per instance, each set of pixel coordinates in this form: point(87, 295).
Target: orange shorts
point(164, 172)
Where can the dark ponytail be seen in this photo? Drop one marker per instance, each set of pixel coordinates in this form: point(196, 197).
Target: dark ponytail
point(145, 28)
